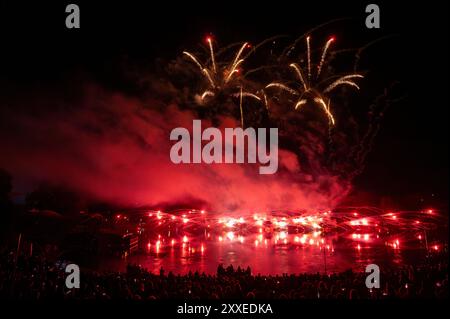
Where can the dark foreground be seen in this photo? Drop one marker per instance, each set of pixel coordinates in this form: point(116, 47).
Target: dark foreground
point(35, 278)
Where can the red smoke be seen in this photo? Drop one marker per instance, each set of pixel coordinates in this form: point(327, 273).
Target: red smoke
point(116, 149)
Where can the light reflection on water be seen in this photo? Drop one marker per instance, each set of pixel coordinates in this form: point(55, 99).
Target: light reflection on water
point(265, 258)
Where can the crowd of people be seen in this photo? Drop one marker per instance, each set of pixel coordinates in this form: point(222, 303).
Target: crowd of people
point(36, 278)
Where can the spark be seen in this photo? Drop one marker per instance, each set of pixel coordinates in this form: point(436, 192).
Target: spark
point(236, 62)
point(299, 73)
point(308, 50)
point(193, 58)
point(207, 93)
point(283, 87)
point(326, 108)
point(211, 49)
point(324, 54)
point(300, 103)
point(343, 80)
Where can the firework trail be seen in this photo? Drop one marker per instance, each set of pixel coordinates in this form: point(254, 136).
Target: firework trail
point(362, 49)
point(262, 43)
point(287, 51)
point(376, 111)
point(240, 108)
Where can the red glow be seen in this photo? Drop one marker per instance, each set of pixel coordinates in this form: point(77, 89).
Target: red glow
point(332, 38)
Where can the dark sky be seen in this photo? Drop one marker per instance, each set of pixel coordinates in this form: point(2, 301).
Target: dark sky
point(411, 152)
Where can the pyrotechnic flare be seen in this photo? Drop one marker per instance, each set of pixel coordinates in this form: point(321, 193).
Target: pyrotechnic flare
point(221, 75)
point(314, 89)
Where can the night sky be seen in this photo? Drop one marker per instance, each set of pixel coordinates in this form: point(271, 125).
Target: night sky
point(410, 156)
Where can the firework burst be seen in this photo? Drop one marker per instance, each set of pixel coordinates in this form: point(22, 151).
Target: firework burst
point(222, 76)
point(313, 86)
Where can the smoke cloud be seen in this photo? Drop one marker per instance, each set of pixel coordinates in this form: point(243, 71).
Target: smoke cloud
point(116, 148)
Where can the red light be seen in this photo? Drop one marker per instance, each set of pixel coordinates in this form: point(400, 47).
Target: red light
point(332, 38)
